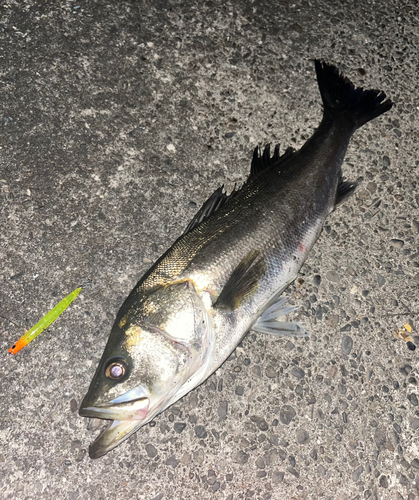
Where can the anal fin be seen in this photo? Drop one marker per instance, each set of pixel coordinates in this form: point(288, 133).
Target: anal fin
point(345, 189)
point(268, 321)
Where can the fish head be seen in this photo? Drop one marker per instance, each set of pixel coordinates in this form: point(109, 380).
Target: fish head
point(159, 344)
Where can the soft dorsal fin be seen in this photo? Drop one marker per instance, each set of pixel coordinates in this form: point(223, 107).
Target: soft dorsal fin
point(243, 282)
point(218, 199)
point(262, 161)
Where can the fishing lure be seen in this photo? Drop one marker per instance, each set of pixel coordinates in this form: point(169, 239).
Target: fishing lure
point(44, 322)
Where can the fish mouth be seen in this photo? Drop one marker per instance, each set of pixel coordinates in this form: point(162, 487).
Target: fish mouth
point(126, 418)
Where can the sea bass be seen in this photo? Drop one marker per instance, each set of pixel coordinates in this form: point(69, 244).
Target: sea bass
point(225, 274)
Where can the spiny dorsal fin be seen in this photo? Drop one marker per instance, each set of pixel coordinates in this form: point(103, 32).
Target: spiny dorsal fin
point(243, 282)
point(214, 202)
point(219, 198)
point(262, 161)
point(345, 189)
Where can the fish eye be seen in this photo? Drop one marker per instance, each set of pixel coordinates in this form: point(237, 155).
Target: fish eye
point(116, 369)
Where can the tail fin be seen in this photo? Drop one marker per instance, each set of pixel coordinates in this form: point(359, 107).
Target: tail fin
point(341, 97)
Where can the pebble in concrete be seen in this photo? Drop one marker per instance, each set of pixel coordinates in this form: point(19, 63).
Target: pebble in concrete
point(357, 473)
point(302, 436)
point(222, 410)
point(151, 450)
point(347, 344)
point(200, 431)
point(179, 426)
point(286, 414)
point(297, 372)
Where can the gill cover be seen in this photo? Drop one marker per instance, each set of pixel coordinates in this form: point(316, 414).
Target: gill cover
point(159, 349)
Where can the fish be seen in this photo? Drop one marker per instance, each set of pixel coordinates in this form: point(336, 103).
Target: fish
point(225, 274)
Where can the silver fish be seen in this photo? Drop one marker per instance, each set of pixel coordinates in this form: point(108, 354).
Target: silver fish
point(225, 274)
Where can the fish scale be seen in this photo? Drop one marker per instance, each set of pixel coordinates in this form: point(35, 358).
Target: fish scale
point(225, 273)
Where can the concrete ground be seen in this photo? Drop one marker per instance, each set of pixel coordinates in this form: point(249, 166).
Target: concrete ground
point(118, 119)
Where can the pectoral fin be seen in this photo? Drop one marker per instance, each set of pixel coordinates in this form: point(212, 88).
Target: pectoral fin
point(243, 282)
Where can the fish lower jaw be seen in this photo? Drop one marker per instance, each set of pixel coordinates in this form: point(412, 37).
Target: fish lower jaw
point(113, 435)
point(117, 431)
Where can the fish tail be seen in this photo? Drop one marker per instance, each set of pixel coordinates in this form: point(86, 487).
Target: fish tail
point(342, 98)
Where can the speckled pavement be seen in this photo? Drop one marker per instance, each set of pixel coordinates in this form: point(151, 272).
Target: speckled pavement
point(118, 119)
